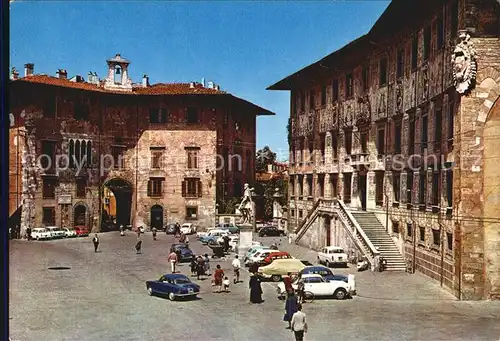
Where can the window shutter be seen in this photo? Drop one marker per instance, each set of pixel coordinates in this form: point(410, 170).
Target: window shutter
point(150, 184)
point(184, 188)
point(200, 188)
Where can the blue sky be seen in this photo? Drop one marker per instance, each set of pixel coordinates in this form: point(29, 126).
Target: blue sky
point(244, 46)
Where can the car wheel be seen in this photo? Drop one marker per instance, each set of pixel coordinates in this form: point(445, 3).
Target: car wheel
point(276, 278)
point(37, 238)
point(327, 263)
point(150, 291)
point(171, 296)
point(340, 294)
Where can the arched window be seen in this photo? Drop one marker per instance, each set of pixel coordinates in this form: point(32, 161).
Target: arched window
point(89, 153)
point(118, 74)
point(83, 151)
point(77, 151)
point(71, 153)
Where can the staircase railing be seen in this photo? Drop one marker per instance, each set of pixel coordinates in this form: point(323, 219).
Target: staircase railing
point(349, 221)
point(309, 214)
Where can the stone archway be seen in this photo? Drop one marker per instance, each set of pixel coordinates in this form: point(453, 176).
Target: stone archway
point(80, 215)
point(491, 200)
point(157, 217)
point(117, 204)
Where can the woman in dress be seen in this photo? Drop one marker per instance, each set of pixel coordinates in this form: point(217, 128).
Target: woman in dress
point(255, 289)
point(218, 275)
point(290, 307)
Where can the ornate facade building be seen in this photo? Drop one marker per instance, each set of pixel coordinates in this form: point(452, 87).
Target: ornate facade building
point(394, 144)
point(133, 154)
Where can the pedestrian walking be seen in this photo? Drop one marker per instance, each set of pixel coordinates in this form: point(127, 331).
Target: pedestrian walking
point(177, 229)
point(289, 238)
point(28, 233)
point(225, 283)
point(290, 308)
point(226, 243)
point(122, 230)
point(200, 270)
point(255, 289)
point(287, 281)
point(206, 264)
point(138, 245)
point(182, 237)
point(139, 232)
point(236, 267)
point(194, 265)
point(299, 324)
point(95, 240)
point(154, 233)
point(218, 275)
point(172, 258)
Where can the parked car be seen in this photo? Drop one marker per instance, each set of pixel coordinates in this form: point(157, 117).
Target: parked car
point(213, 235)
point(268, 231)
point(275, 255)
point(188, 228)
point(319, 287)
point(279, 268)
point(174, 286)
point(258, 256)
point(82, 231)
point(56, 232)
point(69, 232)
point(170, 229)
point(40, 233)
point(332, 255)
point(328, 275)
point(184, 253)
point(252, 250)
point(229, 227)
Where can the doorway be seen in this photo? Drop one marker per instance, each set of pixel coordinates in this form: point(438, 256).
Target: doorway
point(157, 217)
point(117, 204)
point(328, 231)
point(362, 190)
point(79, 216)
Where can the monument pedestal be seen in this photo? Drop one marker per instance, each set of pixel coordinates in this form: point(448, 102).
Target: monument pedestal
point(246, 237)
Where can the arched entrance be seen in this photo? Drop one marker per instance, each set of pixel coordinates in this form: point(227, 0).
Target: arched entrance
point(157, 217)
point(80, 215)
point(116, 204)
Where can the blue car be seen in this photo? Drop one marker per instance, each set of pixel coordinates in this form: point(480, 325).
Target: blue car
point(174, 286)
point(325, 272)
point(184, 253)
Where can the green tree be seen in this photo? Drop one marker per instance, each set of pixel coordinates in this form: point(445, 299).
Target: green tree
point(228, 206)
point(264, 157)
point(277, 185)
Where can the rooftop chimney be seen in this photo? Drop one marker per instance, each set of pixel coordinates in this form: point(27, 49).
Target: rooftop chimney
point(14, 74)
point(145, 81)
point(203, 82)
point(217, 87)
point(191, 85)
point(210, 85)
point(62, 74)
point(28, 69)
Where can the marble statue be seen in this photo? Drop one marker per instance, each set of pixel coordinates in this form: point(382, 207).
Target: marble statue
point(246, 205)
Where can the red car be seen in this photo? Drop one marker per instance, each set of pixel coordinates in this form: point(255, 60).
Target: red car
point(275, 255)
point(82, 231)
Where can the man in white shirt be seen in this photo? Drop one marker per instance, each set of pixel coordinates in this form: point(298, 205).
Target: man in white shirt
point(299, 324)
point(236, 267)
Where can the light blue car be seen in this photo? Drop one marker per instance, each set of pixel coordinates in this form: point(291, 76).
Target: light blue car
point(252, 251)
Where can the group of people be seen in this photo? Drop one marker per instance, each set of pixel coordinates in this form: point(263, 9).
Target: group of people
point(293, 309)
point(200, 266)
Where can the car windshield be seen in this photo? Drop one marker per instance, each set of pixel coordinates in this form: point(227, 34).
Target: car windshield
point(182, 281)
point(337, 251)
point(40, 230)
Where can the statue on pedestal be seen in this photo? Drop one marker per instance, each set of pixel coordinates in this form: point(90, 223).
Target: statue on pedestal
point(246, 205)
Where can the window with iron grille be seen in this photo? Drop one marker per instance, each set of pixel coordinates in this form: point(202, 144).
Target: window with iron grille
point(155, 187)
point(192, 188)
point(49, 216)
point(49, 188)
point(422, 233)
point(156, 155)
point(158, 115)
point(192, 159)
point(191, 212)
point(449, 187)
point(436, 238)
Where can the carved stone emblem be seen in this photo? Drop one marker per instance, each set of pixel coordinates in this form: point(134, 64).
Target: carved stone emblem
point(464, 64)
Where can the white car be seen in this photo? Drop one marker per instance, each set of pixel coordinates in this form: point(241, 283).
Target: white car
point(188, 228)
point(233, 242)
point(69, 232)
point(39, 233)
point(332, 255)
point(56, 232)
point(258, 256)
point(319, 287)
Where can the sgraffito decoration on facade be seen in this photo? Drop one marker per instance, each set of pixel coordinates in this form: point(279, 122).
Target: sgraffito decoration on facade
point(364, 112)
point(382, 106)
point(399, 97)
point(328, 119)
point(310, 123)
point(464, 64)
point(425, 82)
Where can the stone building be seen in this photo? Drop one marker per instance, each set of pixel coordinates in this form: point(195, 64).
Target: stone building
point(138, 154)
point(395, 142)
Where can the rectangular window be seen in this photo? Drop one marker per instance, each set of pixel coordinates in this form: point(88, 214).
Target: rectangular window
point(363, 136)
point(191, 212)
point(322, 147)
point(383, 72)
point(49, 188)
point(191, 188)
point(301, 185)
point(157, 115)
point(292, 185)
point(323, 95)
point(292, 213)
point(156, 155)
point(449, 240)
point(414, 52)
point(192, 158)
point(301, 214)
point(395, 227)
point(409, 230)
point(321, 185)
point(427, 42)
point(192, 115)
point(449, 187)
point(349, 91)
point(440, 33)
point(310, 189)
point(379, 188)
point(396, 185)
point(47, 162)
point(424, 134)
point(422, 188)
point(335, 90)
point(454, 17)
point(334, 184)
point(365, 77)
point(422, 233)
point(312, 100)
point(451, 124)
point(409, 186)
point(81, 187)
point(381, 141)
point(49, 216)
point(49, 109)
point(347, 187)
point(117, 153)
point(397, 137)
point(155, 187)
point(436, 240)
point(81, 111)
point(335, 146)
point(438, 129)
point(400, 67)
point(348, 141)
point(435, 189)
point(411, 137)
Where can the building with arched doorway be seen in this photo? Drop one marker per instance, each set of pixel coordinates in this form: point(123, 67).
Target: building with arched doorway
point(105, 153)
point(394, 144)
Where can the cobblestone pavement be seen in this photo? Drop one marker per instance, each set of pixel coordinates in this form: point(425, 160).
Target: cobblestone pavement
point(102, 297)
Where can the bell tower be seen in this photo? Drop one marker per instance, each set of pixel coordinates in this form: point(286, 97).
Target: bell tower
point(117, 78)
